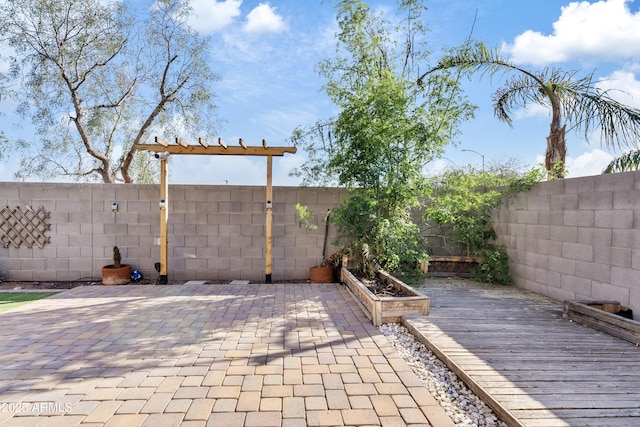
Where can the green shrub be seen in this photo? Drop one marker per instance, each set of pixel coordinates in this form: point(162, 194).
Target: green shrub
point(494, 265)
point(461, 206)
point(366, 227)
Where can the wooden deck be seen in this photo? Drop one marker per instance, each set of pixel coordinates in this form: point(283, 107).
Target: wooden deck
point(533, 367)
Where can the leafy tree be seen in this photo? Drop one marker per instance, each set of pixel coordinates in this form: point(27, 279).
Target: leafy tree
point(629, 161)
point(96, 81)
point(388, 127)
point(573, 100)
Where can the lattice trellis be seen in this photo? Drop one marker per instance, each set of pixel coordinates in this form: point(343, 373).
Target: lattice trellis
point(18, 226)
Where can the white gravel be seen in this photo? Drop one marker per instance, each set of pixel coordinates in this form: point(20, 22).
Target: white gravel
point(464, 407)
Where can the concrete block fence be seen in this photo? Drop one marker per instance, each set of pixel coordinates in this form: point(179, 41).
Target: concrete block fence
point(214, 232)
point(569, 239)
point(576, 238)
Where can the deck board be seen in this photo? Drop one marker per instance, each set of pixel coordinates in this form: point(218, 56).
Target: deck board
point(533, 367)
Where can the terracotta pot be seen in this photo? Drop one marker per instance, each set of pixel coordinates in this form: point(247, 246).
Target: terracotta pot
point(116, 276)
point(321, 274)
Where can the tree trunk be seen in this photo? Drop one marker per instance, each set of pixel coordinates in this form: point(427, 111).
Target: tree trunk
point(556, 144)
point(556, 153)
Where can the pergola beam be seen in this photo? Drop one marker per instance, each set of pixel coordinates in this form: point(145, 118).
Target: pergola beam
point(216, 150)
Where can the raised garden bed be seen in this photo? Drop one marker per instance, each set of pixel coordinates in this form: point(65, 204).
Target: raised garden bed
point(458, 266)
point(386, 309)
point(601, 315)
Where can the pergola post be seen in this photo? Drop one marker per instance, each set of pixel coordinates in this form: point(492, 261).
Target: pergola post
point(164, 216)
point(268, 221)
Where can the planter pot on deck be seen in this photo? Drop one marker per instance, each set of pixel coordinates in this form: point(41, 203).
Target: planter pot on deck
point(116, 276)
point(600, 315)
point(385, 309)
point(321, 274)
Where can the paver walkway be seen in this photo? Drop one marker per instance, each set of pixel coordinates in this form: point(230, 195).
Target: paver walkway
point(520, 355)
point(196, 355)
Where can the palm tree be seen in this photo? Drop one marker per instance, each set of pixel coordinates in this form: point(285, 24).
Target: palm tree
point(629, 161)
point(572, 100)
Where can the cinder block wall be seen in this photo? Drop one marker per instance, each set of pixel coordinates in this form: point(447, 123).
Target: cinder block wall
point(214, 232)
point(576, 238)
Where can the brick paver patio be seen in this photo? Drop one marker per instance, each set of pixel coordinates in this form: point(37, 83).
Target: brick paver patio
point(196, 355)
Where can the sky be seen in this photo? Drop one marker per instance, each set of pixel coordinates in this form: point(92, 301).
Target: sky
point(266, 54)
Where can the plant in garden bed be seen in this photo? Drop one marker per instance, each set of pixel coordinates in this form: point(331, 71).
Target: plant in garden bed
point(373, 239)
point(461, 206)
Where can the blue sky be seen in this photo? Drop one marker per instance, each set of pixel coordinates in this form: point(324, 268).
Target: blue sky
point(266, 53)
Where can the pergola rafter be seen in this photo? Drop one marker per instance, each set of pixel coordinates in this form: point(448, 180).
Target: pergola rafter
point(163, 148)
point(222, 149)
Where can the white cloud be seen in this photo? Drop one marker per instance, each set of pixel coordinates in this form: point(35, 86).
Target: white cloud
point(8, 169)
point(586, 164)
point(117, 152)
point(438, 166)
point(622, 86)
point(231, 170)
point(282, 166)
point(264, 19)
point(276, 122)
point(216, 170)
point(210, 16)
point(606, 29)
point(532, 110)
point(5, 65)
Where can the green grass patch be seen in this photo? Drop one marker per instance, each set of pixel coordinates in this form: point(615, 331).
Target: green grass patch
point(9, 300)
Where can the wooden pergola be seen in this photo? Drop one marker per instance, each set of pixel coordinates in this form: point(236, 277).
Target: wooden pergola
point(163, 149)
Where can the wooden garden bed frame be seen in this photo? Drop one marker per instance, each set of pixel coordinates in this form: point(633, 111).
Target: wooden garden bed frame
point(382, 310)
point(593, 314)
